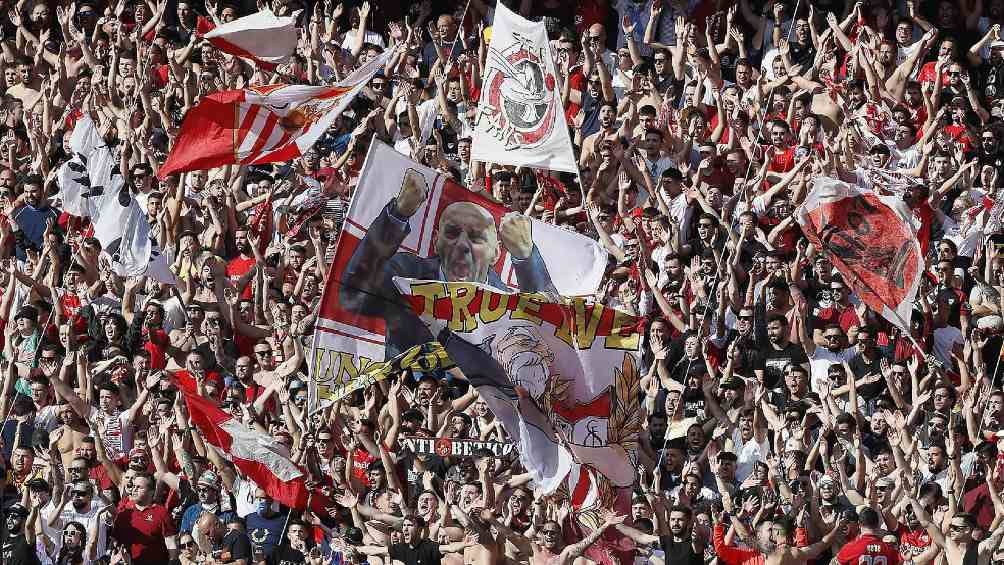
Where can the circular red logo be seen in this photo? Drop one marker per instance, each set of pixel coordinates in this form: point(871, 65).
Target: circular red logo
point(521, 90)
point(444, 447)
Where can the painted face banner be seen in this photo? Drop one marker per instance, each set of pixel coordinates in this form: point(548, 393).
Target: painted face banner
point(872, 241)
point(407, 220)
point(562, 377)
point(520, 117)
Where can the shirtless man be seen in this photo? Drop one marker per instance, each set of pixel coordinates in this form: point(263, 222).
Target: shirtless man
point(957, 541)
point(773, 543)
point(548, 550)
point(69, 435)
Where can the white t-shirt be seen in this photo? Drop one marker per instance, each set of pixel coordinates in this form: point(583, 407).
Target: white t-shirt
point(747, 454)
point(118, 431)
point(89, 519)
point(819, 365)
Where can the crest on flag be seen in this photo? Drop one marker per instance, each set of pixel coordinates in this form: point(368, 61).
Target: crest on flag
point(521, 93)
point(872, 241)
point(520, 118)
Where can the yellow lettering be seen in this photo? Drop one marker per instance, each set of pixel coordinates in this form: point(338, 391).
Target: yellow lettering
point(323, 373)
point(430, 291)
point(528, 307)
point(461, 296)
point(623, 321)
point(409, 357)
point(585, 330)
point(489, 312)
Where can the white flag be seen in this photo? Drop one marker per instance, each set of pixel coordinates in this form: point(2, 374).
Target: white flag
point(520, 117)
point(92, 187)
point(262, 36)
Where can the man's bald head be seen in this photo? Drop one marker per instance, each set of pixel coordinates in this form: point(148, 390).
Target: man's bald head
point(467, 242)
point(209, 524)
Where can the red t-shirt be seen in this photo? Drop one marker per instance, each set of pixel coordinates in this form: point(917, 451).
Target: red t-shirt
point(781, 161)
point(912, 542)
point(927, 74)
point(846, 317)
point(155, 344)
point(100, 474)
point(237, 268)
point(144, 531)
point(361, 460)
point(588, 13)
point(578, 81)
point(868, 548)
point(960, 134)
point(925, 214)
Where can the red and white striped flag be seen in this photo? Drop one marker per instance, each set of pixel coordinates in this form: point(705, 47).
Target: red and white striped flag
point(262, 124)
point(255, 454)
point(262, 37)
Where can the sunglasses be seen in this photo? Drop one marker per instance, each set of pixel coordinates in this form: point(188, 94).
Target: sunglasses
point(81, 493)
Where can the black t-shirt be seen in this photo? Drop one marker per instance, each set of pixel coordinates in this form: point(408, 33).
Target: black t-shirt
point(680, 552)
point(237, 544)
point(992, 80)
point(425, 553)
point(861, 368)
point(16, 551)
point(773, 361)
point(285, 555)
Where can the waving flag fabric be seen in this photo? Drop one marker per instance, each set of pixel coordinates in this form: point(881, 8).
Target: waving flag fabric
point(360, 323)
point(264, 124)
point(257, 455)
point(562, 377)
point(263, 37)
point(91, 186)
point(520, 118)
point(872, 241)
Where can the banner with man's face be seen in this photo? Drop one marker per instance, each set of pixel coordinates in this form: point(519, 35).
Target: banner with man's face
point(411, 221)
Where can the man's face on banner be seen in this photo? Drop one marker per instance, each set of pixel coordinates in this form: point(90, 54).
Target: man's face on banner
point(467, 242)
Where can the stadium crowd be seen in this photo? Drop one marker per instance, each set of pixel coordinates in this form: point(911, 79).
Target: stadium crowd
point(783, 420)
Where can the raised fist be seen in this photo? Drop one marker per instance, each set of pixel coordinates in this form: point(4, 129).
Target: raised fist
point(414, 191)
point(517, 236)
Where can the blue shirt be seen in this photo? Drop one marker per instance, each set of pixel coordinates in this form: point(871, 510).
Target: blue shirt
point(193, 512)
point(265, 532)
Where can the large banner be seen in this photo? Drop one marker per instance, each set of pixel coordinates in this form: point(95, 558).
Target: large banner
point(561, 376)
point(872, 241)
point(520, 118)
point(411, 221)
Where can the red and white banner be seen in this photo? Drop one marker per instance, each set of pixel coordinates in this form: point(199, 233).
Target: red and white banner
point(520, 119)
point(262, 124)
point(454, 234)
point(255, 454)
point(263, 37)
point(872, 241)
point(561, 375)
